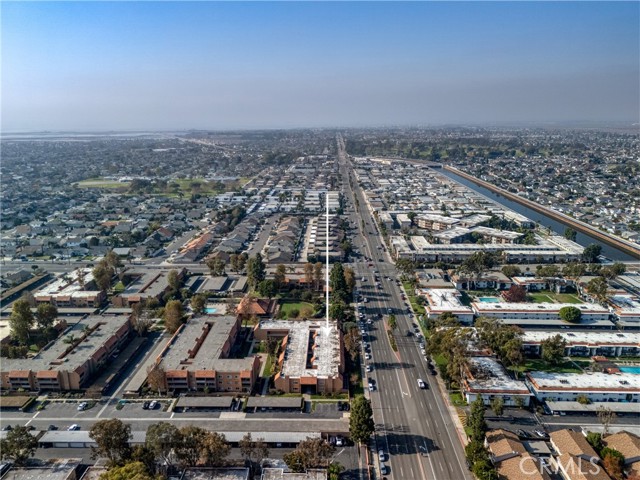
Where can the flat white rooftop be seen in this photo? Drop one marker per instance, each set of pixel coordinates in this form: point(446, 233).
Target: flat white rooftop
point(535, 307)
point(584, 338)
point(313, 350)
point(444, 300)
point(586, 381)
point(625, 305)
point(490, 376)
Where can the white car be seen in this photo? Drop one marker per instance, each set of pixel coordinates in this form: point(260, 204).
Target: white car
point(421, 383)
point(368, 368)
point(82, 406)
point(371, 388)
point(367, 356)
point(73, 427)
point(382, 456)
point(153, 405)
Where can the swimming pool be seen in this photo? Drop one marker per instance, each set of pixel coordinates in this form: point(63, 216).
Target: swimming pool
point(633, 370)
point(489, 299)
point(210, 310)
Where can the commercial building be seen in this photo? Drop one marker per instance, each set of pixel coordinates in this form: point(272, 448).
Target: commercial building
point(486, 377)
point(445, 300)
point(597, 387)
point(585, 344)
point(71, 361)
point(196, 358)
point(311, 359)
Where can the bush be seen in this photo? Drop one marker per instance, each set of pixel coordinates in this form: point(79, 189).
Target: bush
point(294, 313)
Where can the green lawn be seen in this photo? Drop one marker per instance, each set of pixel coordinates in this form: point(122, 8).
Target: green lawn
point(417, 308)
point(540, 365)
point(102, 183)
point(268, 367)
point(550, 297)
point(457, 399)
point(304, 308)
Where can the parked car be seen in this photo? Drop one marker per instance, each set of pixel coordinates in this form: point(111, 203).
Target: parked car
point(82, 406)
point(52, 427)
point(153, 405)
point(145, 405)
point(382, 456)
point(73, 427)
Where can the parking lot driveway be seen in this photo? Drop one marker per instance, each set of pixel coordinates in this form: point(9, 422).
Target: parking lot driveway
point(134, 410)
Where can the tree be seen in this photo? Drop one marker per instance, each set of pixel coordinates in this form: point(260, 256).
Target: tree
point(352, 344)
point(308, 274)
point(338, 310)
point(310, 453)
point(393, 323)
point(318, 274)
point(216, 266)
point(597, 288)
point(102, 274)
point(618, 268)
point(266, 288)
point(574, 270)
point(199, 302)
point(553, 349)
point(253, 451)
point(21, 321)
point(335, 469)
point(173, 315)
point(19, 445)
point(46, 314)
point(547, 271)
point(233, 261)
point(517, 293)
point(613, 462)
point(112, 440)
point(350, 279)
point(478, 263)
point(337, 282)
point(280, 277)
point(128, 471)
point(606, 416)
point(142, 322)
point(591, 253)
point(476, 421)
point(570, 314)
point(406, 266)
point(157, 378)
point(188, 448)
point(595, 440)
point(511, 271)
point(361, 424)
point(570, 234)
point(173, 279)
point(255, 270)
point(161, 439)
point(113, 261)
point(142, 454)
point(214, 449)
point(497, 405)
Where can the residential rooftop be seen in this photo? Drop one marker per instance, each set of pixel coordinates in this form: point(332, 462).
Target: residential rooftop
point(586, 381)
point(487, 375)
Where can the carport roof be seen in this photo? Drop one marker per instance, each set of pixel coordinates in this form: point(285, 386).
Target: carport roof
point(275, 402)
point(82, 436)
point(205, 402)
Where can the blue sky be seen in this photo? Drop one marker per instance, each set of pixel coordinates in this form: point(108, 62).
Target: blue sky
point(161, 65)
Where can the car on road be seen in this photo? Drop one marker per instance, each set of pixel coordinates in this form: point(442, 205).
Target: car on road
point(369, 321)
point(384, 470)
point(421, 384)
point(409, 333)
point(432, 371)
point(372, 388)
point(368, 368)
point(382, 456)
point(73, 427)
point(367, 356)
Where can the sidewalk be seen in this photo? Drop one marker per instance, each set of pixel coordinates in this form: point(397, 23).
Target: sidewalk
point(452, 412)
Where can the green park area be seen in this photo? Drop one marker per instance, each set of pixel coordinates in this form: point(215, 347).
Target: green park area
point(566, 366)
point(417, 308)
point(296, 310)
point(550, 297)
point(173, 187)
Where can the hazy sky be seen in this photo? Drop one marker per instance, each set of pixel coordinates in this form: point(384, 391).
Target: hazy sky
point(149, 65)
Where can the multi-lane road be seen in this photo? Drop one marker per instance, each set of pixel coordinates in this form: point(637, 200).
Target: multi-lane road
point(413, 425)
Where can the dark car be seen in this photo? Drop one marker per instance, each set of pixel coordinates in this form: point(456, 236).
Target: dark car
point(6, 428)
point(409, 333)
point(145, 405)
point(433, 371)
point(52, 427)
point(523, 434)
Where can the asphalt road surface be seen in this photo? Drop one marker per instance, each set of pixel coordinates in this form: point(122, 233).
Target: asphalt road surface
point(413, 425)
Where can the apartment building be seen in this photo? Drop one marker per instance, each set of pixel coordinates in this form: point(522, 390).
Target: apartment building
point(585, 344)
point(597, 387)
point(626, 309)
point(537, 311)
point(196, 358)
point(76, 289)
point(445, 300)
point(70, 362)
point(144, 285)
point(311, 359)
point(486, 377)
